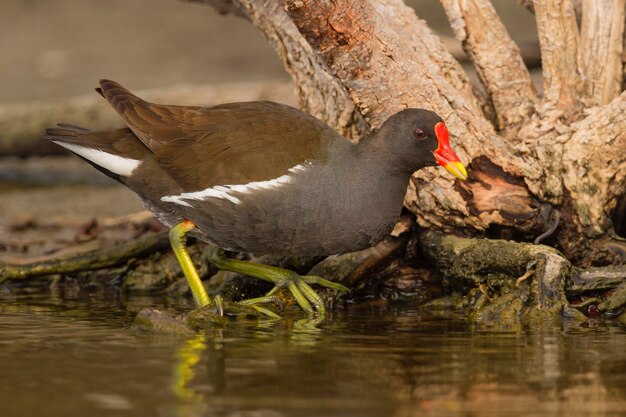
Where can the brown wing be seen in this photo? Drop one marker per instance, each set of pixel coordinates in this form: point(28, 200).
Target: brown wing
point(232, 143)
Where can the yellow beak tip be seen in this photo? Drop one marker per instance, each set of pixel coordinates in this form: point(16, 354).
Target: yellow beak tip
point(457, 169)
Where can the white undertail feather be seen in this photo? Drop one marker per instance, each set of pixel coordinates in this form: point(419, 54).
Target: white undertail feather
point(225, 192)
point(114, 163)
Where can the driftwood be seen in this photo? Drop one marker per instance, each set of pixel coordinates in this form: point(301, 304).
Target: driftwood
point(355, 63)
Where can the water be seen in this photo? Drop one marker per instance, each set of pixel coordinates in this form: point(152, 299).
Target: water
point(78, 356)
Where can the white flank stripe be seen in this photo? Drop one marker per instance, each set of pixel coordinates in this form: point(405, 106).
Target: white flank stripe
point(225, 192)
point(176, 200)
point(114, 163)
point(297, 168)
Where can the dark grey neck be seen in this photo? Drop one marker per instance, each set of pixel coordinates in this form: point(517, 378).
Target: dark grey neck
point(370, 173)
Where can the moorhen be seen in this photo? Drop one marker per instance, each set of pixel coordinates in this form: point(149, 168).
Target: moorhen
point(261, 177)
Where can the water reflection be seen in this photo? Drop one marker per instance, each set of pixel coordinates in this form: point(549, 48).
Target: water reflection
point(187, 357)
point(79, 355)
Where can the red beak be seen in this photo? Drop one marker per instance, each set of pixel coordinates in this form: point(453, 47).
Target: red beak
point(445, 156)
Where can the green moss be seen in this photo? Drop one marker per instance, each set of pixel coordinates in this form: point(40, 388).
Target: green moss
point(616, 300)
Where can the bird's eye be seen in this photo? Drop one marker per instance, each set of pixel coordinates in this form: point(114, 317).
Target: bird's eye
point(419, 133)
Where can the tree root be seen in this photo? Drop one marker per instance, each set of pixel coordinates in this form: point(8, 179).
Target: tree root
point(596, 279)
point(98, 259)
point(600, 290)
point(503, 280)
point(493, 281)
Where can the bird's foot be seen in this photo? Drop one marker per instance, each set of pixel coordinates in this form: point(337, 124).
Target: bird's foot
point(299, 285)
point(221, 306)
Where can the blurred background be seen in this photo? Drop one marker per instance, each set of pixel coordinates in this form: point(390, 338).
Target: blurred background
point(175, 52)
point(60, 48)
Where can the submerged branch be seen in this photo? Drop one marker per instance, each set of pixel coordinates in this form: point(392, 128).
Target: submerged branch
point(98, 259)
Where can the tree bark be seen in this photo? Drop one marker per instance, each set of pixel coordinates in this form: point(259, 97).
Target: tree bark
point(496, 57)
point(527, 155)
point(602, 35)
point(560, 53)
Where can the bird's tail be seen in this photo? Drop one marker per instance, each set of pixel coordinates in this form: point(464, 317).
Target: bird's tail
point(116, 153)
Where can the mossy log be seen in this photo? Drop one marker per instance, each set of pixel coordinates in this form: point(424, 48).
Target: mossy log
point(503, 279)
point(88, 261)
point(490, 280)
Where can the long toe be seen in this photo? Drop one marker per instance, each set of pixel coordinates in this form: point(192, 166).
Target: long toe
point(266, 312)
point(300, 298)
point(312, 296)
point(267, 299)
point(323, 282)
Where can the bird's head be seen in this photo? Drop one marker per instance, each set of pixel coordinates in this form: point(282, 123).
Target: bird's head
point(419, 138)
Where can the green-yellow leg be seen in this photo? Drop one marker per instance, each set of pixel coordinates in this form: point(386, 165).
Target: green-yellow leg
point(178, 240)
point(298, 285)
